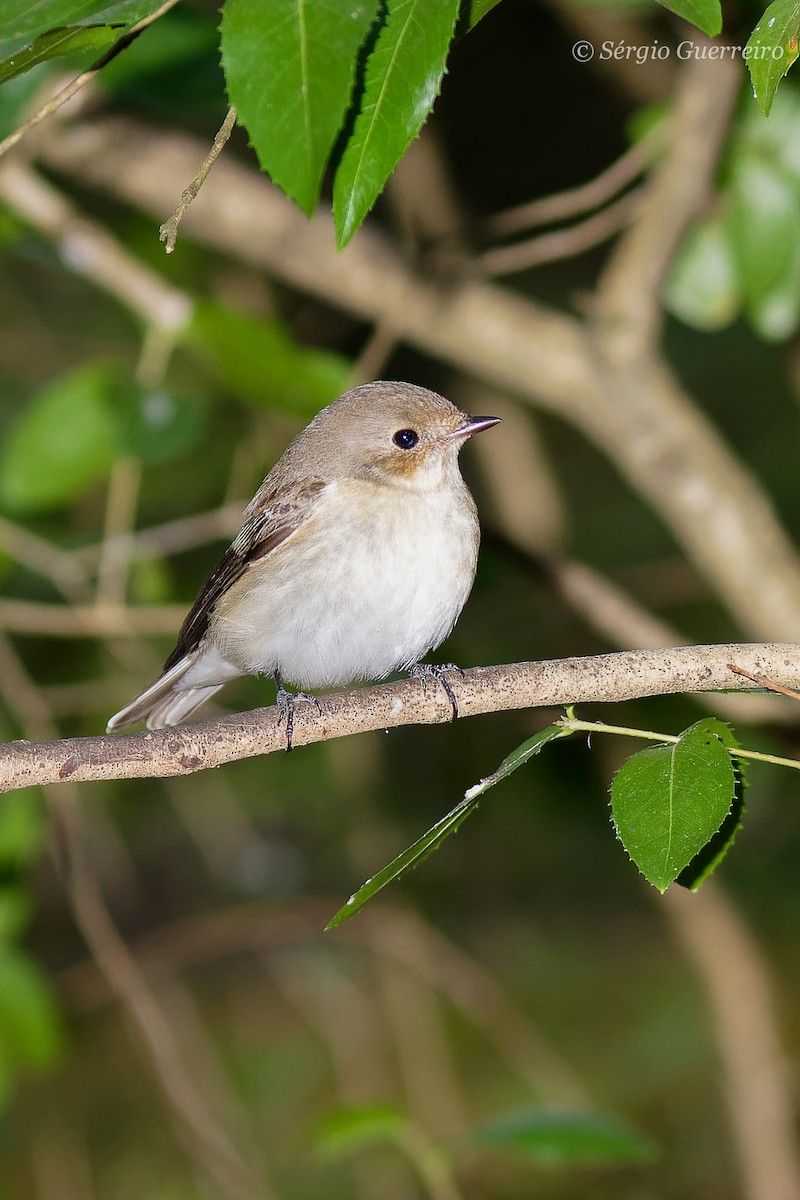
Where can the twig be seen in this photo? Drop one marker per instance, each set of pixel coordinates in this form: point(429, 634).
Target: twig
point(762, 681)
point(562, 243)
point(168, 232)
point(75, 85)
point(576, 201)
point(184, 749)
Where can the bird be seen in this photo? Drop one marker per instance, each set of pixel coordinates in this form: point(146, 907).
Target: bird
point(355, 558)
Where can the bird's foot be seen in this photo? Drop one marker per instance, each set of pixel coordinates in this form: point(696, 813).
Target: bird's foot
point(286, 702)
point(426, 671)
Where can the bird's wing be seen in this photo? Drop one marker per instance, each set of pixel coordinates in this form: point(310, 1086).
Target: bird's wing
point(279, 515)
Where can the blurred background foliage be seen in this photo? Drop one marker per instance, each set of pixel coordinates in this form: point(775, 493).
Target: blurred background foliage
point(522, 1016)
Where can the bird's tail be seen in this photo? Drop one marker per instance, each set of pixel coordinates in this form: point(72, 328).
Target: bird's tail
point(165, 702)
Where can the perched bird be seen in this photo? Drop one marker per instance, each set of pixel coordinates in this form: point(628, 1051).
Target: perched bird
point(355, 559)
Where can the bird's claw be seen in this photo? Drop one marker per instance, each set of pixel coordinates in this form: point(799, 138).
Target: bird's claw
point(286, 702)
point(426, 671)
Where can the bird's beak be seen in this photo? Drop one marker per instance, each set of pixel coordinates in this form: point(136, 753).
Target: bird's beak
point(472, 425)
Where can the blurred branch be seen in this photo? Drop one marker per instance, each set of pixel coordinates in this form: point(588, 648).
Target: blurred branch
point(762, 1109)
point(72, 88)
point(180, 750)
point(563, 243)
point(89, 620)
point(635, 412)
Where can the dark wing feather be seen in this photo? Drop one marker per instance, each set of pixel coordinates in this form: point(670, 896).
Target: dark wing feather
point(282, 514)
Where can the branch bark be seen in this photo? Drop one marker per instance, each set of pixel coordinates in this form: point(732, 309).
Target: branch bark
point(181, 750)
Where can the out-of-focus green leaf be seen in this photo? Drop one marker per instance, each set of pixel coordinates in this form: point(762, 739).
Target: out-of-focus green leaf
point(22, 827)
point(703, 14)
point(290, 67)
point(712, 854)
point(159, 426)
point(61, 442)
point(75, 39)
point(178, 38)
point(21, 22)
point(765, 238)
point(774, 140)
point(15, 911)
point(349, 1129)
point(772, 49)
point(568, 1139)
point(668, 801)
point(703, 288)
point(30, 1031)
point(263, 365)
point(402, 79)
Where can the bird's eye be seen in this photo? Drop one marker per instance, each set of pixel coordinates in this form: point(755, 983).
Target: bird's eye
point(406, 438)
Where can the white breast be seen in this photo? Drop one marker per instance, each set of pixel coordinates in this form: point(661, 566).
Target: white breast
point(375, 580)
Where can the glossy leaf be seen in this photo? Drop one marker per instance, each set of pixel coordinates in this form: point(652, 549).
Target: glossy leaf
point(473, 11)
point(402, 79)
point(21, 22)
point(703, 14)
point(61, 442)
point(555, 1139)
point(765, 238)
point(772, 49)
point(290, 68)
point(57, 43)
point(702, 289)
point(668, 801)
point(263, 365)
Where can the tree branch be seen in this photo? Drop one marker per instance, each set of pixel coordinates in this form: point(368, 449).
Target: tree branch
point(181, 750)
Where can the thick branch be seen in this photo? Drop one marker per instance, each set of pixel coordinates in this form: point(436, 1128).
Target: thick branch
point(608, 677)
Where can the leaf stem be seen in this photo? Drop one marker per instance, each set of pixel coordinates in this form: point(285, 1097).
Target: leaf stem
point(574, 725)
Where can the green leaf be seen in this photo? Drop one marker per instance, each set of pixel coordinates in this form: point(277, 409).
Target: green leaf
point(402, 79)
point(569, 1139)
point(30, 1032)
point(702, 289)
point(290, 67)
point(22, 22)
point(22, 827)
point(706, 862)
point(443, 829)
point(473, 11)
point(668, 801)
point(76, 39)
point(262, 364)
point(704, 14)
point(516, 759)
point(161, 426)
point(772, 49)
point(349, 1129)
point(765, 237)
point(61, 442)
point(404, 862)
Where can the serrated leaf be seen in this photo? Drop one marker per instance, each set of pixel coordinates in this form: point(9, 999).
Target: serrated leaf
point(668, 801)
point(517, 758)
point(290, 67)
point(764, 225)
point(349, 1129)
point(22, 22)
point(712, 854)
point(261, 363)
point(555, 1139)
point(76, 39)
point(702, 288)
point(402, 78)
point(63, 441)
point(703, 14)
point(772, 49)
